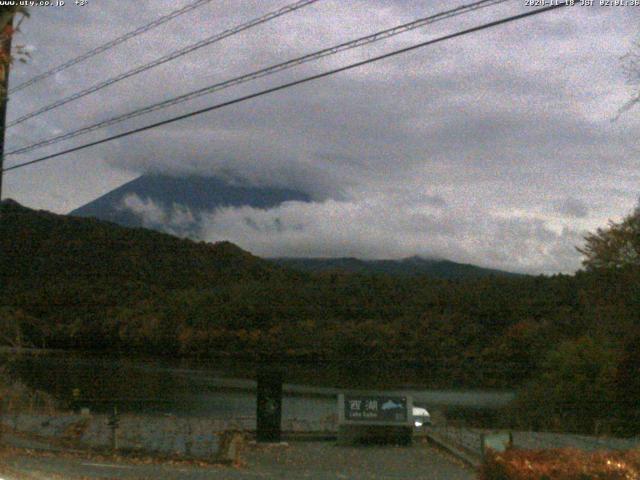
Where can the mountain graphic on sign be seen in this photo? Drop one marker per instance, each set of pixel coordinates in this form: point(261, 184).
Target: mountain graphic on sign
point(390, 405)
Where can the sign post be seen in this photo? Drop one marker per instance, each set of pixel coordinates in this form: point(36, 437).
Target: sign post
point(375, 418)
point(269, 406)
point(114, 423)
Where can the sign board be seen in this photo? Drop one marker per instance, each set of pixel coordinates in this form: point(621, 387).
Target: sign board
point(374, 409)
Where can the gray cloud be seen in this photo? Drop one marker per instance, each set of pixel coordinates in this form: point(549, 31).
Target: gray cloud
point(380, 226)
point(475, 149)
point(178, 220)
point(573, 207)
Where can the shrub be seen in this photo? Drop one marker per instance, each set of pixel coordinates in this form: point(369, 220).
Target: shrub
point(16, 397)
point(561, 464)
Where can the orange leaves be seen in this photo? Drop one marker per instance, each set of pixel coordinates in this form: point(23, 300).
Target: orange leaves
point(561, 464)
point(8, 31)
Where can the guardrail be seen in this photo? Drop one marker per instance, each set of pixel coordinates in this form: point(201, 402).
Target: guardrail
point(467, 443)
point(465, 438)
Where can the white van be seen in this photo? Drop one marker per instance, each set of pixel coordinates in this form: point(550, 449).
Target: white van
point(421, 417)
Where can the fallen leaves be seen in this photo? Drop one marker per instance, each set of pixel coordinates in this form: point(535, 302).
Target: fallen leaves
point(561, 464)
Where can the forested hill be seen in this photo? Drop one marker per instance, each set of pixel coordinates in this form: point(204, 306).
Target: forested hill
point(411, 266)
point(43, 249)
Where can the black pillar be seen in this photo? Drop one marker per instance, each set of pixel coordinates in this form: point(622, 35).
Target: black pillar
point(269, 405)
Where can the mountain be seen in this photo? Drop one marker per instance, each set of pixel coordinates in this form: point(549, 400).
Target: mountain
point(443, 269)
point(175, 204)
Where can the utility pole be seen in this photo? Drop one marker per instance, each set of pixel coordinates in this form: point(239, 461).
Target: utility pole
point(5, 52)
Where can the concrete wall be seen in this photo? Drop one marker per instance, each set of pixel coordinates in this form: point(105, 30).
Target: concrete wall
point(160, 434)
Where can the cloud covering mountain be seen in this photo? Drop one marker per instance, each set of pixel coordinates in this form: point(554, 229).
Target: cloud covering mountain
point(176, 204)
point(494, 149)
point(391, 224)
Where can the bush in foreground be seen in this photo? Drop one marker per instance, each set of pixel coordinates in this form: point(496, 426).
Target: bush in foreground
point(16, 397)
point(561, 464)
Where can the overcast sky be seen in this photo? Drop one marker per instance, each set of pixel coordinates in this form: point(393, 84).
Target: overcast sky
point(496, 148)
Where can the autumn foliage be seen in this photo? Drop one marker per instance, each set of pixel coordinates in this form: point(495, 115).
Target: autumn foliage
point(8, 30)
point(561, 464)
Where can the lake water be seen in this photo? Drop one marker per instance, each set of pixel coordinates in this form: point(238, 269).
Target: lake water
point(225, 389)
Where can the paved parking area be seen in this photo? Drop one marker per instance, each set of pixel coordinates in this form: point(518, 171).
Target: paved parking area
point(313, 460)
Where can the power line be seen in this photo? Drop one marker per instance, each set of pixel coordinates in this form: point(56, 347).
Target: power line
point(381, 35)
point(291, 84)
point(166, 58)
point(117, 41)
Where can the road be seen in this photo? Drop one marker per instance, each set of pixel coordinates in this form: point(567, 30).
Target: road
point(313, 460)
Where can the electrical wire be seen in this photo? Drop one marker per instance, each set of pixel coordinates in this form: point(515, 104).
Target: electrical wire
point(166, 58)
point(293, 83)
point(258, 74)
point(368, 39)
point(116, 41)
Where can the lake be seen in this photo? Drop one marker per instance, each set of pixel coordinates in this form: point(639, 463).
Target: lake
point(225, 388)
